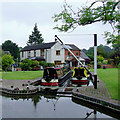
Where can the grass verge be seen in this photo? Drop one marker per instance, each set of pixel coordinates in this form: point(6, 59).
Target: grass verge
point(22, 75)
point(110, 77)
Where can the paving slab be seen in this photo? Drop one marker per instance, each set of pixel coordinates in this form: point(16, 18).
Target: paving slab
point(101, 92)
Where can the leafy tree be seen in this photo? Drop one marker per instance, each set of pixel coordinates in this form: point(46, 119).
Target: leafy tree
point(35, 64)
point(105, 12)
point(102, 50)
point(26, 64)
point(116, 60)
point(11, 47)
point(100, 58)
point(43, 63)
point(7, 60)
point(36, 37)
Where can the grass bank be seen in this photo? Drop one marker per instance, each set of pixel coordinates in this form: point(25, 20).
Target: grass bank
point(21, 75)
point(110, 77)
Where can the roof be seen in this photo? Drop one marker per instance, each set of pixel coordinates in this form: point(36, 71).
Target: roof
point(83, 55)
point(39, 46)
point(72, 46)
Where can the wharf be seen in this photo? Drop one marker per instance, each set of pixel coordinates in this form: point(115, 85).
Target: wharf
point(99, 96)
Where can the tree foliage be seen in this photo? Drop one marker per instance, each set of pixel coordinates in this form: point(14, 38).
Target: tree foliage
point(11, 47)
point(26, 64)
point(105, 12)
point(100, 58)
point(102, 50)
point(7, 60)
point(36, 37)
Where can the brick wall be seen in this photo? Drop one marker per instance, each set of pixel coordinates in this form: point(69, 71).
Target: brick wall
point(108, 66)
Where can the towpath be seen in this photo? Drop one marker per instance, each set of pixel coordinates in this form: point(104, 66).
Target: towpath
point(101, 92)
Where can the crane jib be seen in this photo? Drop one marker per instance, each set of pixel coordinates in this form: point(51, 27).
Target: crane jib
point(64, 46)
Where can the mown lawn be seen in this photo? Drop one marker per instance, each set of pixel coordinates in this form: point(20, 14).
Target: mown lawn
point(110, 77)
point(21, 75)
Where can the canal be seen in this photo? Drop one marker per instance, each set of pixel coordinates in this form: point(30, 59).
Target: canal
point(46, 106)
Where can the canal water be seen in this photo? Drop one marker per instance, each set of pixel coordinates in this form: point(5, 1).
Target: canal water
point(46, 106)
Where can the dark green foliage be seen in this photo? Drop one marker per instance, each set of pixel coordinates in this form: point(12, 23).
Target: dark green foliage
point(35, 64)
point(99, 65)
point(104, 51)
point(12, 48)
point(7, 60)
point(36, 37)
point(119, 65)
point(105, 12)
point(26, 64)
point(44, 64)
point(51, 64)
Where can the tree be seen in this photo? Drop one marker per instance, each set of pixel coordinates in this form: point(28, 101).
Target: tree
point(7, 60)
point(105, 12)
point(26, 64)
point(35, 64)
point(11, 47)
point(100, 58)
point(36, 37)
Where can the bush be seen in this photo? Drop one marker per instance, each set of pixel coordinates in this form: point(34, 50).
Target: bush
point(7, 60)
point(43, 63)
point(105, 61)
point(51, 64)
point(110, 61)
point(100, 58)
point(35, 64)
point(119, 65)
point(99, 65)
point(26, 64)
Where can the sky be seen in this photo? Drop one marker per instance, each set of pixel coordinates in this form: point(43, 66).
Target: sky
point(18, 18)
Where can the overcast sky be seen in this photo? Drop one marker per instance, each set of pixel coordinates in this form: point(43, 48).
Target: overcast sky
point(18, 18)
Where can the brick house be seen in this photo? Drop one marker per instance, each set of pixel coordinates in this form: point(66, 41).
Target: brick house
point(52, 52)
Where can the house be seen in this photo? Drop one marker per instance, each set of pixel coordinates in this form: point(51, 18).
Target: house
point(52, 52)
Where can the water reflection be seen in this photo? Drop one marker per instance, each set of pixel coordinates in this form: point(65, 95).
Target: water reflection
point(95, 109)
point(46, 105)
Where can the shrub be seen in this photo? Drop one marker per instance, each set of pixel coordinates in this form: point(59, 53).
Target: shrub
point(110, 61)
point(105, 61)
point(43, 63)
point(26, 64)
point(51, 64)
point(7, 60)
point(100, 58)
point(119, 65)
point(99, 65)
point(35, 64)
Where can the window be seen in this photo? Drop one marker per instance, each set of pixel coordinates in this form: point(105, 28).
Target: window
point(34, 53)
point(22, 54)
point(42, 52)
point(28, 54)
point(57, 52)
